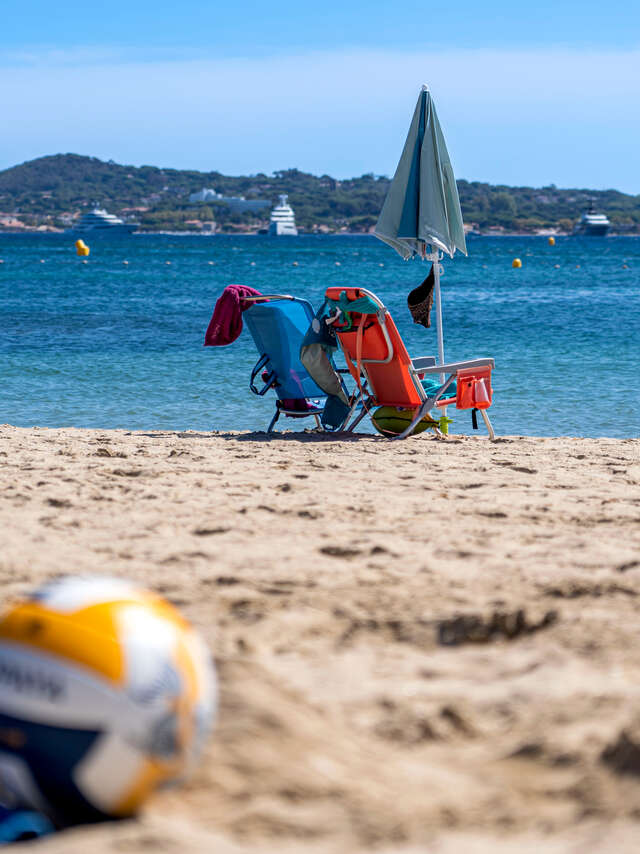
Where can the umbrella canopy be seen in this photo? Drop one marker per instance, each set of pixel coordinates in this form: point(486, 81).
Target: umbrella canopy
point(422, 206)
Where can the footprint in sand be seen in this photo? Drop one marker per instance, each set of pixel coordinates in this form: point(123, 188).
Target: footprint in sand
point(208, 532)
point(309, 514)
point(339, 551)
point(58, 502)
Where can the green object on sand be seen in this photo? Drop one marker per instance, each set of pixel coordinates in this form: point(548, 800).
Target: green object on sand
point(391, 421)
point(443, 424)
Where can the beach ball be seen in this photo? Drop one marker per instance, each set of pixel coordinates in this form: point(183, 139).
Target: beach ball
point(106, 693)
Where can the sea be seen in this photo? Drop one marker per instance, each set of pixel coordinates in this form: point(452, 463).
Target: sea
point(109, 344)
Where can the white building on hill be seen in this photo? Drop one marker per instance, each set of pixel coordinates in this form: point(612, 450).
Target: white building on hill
point(238, 204)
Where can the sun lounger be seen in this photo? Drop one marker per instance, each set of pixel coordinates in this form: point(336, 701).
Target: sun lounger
point(278, 323)
point(385, 373)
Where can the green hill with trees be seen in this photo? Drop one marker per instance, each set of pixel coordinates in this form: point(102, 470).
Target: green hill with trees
point(50, 191)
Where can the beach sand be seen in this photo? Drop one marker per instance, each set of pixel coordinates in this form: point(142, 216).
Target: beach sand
point(421, 645)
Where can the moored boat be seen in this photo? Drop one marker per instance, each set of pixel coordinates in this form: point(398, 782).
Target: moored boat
point(282, 220)
point(592, 224)
point(98, 222)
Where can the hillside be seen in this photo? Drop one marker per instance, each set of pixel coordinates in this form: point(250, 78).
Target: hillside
point(50, 190)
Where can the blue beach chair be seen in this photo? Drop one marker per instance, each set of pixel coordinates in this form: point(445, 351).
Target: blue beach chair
point(278, 327)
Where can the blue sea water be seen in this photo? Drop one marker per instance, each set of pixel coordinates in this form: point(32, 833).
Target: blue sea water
point(105, 344)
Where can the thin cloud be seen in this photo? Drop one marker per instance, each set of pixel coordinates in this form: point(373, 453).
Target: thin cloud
point(343, 112)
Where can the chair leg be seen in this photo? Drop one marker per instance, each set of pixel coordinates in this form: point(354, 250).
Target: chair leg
point(354, 406)
point(485, 418)
point(355, 423)
point(273, 421)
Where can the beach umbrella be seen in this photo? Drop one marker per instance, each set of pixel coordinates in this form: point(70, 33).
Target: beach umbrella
point(421, 214)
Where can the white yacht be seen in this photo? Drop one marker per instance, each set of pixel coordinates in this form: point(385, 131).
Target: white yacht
point(592, 224)
point(98, 221)
point(282, 221)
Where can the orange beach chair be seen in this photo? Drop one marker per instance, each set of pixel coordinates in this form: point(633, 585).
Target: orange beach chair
point(375, 352)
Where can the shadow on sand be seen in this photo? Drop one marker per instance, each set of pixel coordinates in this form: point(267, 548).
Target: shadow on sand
point(262, 436)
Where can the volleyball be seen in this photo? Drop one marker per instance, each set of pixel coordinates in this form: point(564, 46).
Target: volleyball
point(106, 693)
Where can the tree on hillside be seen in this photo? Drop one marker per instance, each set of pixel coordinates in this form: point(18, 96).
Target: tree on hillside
point(69, 183)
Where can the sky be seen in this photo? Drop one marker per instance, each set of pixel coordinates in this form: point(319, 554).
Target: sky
point(528, 94)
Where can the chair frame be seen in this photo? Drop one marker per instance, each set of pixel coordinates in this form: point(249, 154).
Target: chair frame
point(419, 366)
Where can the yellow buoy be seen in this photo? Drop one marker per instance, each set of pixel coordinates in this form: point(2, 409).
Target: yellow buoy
point(552, 241)
point(516, 263)
point(79, 244)
point(83, 251)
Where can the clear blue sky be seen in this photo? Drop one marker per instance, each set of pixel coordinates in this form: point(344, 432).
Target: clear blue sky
point(536, 93)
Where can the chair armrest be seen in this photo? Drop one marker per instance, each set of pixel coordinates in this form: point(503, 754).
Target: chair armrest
point(423, 362)
point(259, 365)
point(452, 367)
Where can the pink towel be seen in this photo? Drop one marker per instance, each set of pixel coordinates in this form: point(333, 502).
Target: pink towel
point(226, 322)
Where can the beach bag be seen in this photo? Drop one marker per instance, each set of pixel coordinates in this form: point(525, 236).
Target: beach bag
point(474, 388)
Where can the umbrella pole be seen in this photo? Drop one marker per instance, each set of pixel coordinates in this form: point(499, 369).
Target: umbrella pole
point(438, 302)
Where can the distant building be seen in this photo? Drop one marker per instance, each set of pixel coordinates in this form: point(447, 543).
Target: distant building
point(205, 195)
point(238, 204)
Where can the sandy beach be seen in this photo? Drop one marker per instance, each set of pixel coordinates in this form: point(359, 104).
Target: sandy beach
point(421, 645)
